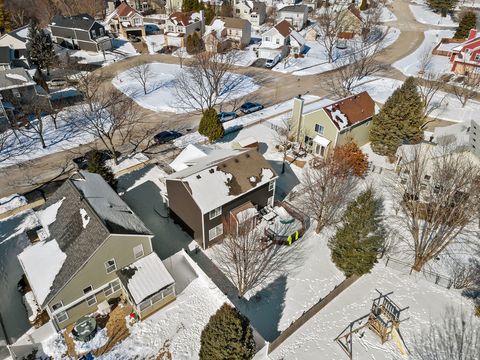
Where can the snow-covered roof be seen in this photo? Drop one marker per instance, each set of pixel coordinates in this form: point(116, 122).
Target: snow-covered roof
point(190, 153)
point(41, 263)
point(48, 215)
point(351, 110)
point(221, 177)
point(297, 37)
point(145, 277)
point(321, 140)
point(15, 78)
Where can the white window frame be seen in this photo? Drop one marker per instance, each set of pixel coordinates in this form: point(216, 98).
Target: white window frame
point(111, 288)
point(89, 299)
point(271, 185)
point(53, 305)
point(16, 93)
point(319, 127)
point(59, 316)
point(217, 231)
point(135, 248)
point(107, 266)
point(215, 213)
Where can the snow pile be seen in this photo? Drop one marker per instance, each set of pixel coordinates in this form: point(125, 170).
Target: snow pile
point(48, 215)
point(424, 15)
point(12, 202)
point(411, 64)
point(16, 77)
point(161, 94)
point(100, 339)
point(85, 218)
point(33, 309)
point(126, 162)
point(154, 43)
point(51, 258)
point(55, 347)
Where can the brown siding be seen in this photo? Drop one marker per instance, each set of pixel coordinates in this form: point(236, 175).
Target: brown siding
point(184, 210)
point(259, 198)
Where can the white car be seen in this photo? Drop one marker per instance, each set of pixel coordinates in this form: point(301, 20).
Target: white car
point(270, 63)
point(56, 83)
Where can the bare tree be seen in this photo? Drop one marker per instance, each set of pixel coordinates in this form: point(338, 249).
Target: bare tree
point(465, 274)
point(111, 118)
point(439, 198)
point(454, 337)
point(142, 74)
point(91, 86)
point(283, 139)
point(245, 258)
point(429, 83)
point(208, 81)
point(331, 20)
point(327, 188)
point(467, 87)
point(37, 107)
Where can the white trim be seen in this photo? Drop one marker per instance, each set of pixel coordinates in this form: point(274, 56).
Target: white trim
point(105, 264)
point(216, 234)
point(142, 251)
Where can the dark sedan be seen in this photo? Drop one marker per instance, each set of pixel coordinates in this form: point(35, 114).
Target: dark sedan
point(250, 107)
point(166, 136)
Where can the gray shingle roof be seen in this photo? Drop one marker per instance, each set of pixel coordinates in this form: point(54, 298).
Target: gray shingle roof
point(20, 34)
point(294, 8)
point(82, 21)
point(15, 78)
point(85, 193)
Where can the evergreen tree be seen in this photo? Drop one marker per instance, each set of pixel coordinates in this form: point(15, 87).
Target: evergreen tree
point(210, 126)
point(96, 164)
point(443, 6)
point(227, 335)
point(468, 21)
point(40, 47)
point(357, 242)
point(364, 5)
point(399, 120)
point(209, 13)
point(5, 18)
point(194, 43)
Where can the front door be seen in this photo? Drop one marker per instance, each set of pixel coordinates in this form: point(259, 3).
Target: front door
point(319, 150)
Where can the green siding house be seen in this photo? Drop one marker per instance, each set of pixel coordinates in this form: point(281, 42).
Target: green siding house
point(93, 248)
point(322, 125)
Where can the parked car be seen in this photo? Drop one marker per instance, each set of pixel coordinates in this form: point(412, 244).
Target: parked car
point(166, 136)
point(250, 107)
point(57, 83)
point(270, 63)
point(225, 116)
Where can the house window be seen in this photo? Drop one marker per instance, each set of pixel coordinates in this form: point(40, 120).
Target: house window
point(61, 316)
point(308, 140)
point(57, 306)
point(138, 251)
point(137, 21)
point(215, 212)
point(267, 38)
point(277, 41)
point(113, 287)
point(237, 11)
point(477, 57)
point(271, 185)
point(16, 93)
point(215, 232)
point(319, 129)
point(102, 32)
point(144, 305)
point(110, 266)
point(87, 290)
point(270, 201)
point(170, 28)
point(91, 300)
point(93, 33)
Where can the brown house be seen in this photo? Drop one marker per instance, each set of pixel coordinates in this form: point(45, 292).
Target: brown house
point(126, 21)
point(203, 195)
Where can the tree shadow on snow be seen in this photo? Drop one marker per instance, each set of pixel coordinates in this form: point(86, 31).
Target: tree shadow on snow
point(286, 181)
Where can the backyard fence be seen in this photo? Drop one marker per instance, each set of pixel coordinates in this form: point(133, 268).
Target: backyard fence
point(431, 276)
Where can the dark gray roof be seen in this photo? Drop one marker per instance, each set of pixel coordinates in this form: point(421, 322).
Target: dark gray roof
point(5, 55)
point(77, 240)
point(19, 33)
point(294, 8)
point(15, 78)
point(82, 21)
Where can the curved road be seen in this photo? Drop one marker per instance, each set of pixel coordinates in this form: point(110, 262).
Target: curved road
point(275, 87)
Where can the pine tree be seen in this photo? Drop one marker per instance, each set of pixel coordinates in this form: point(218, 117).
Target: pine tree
point(443, 6)
point(364, 5)
point(209, 13)
point(5, 18)
point(399, 120)
point(357, 242)
point(227, 335)
point(194, 44)
point(96, 164)
point(210, 126)
point(468, 21)
point(40, 47)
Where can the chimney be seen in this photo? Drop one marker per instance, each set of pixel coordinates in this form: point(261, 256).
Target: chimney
point(297, 115)
point(110, 7)
point(472, 34)
point(202, 19)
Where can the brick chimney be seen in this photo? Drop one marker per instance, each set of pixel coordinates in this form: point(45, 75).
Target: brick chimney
point(472, 34)
point(297, 113)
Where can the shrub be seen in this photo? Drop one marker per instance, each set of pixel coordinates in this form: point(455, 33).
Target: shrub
point(210, 126)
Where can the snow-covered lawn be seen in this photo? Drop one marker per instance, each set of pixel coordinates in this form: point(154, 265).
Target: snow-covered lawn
point(154, 43)
point(122, 48)
point(67, 136)
point(450, 109)
point(12, 202)
point(423, 14)
point(99, 340)
point(315, 60)
point(411, 64)
point(161, 88)
point(426, 301)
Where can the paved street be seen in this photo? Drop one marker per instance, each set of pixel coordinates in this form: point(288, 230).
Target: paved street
point(275, 87)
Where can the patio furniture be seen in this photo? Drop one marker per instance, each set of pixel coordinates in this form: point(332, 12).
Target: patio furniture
point(269, 216)
point(85, 329)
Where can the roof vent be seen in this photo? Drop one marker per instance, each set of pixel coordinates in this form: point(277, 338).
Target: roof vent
point(247, 155)
point(236, 160)
point(199, 177)
point(211, 171)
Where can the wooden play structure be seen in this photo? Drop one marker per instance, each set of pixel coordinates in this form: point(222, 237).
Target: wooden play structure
point(383, 319)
